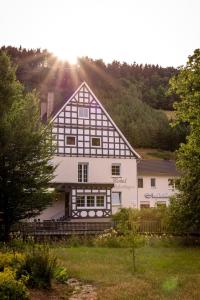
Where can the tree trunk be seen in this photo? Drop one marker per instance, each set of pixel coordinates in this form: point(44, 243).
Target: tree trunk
point(5, 236)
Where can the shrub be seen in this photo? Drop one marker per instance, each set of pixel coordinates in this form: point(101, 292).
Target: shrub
point(111, 238)
point(13, 260)
point(126, 218)
point(61, 274)
point(39, 265)
point(10, 288)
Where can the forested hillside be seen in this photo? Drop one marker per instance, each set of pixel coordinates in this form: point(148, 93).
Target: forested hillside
point(133, 94)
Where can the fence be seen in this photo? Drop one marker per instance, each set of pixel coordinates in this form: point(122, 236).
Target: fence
point(64, 228)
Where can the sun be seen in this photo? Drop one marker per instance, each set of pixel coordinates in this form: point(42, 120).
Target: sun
point(66, 55)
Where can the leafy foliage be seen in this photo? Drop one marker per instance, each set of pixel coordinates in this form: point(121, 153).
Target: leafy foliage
point(11, 288)
point(39, 265)
point(185, 208)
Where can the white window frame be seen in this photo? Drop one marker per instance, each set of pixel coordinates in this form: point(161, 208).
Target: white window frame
point(118, 165)
point(95, 137)
point(120, 198)
point(70, 145)
point(82, 172)
point(83, 117)
point(95, 202)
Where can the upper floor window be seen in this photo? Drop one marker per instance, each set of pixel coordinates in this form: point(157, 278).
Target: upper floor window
point(83, 112)
point(116, 170)
point(171, 183)
point(153, 182)
point(70, 140)
point(140, 182)
point(96, 142)
point(83, 172)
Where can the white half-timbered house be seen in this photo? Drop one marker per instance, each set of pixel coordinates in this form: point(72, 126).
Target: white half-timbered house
point(96, 166)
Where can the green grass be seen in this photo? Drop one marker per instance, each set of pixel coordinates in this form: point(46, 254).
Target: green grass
point(162, 273)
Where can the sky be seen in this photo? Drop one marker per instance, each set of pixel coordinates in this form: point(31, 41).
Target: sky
point(163, 32)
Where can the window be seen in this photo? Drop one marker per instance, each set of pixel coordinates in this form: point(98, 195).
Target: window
point(116, 198)
point(115, 169)
point(144, 205)
point(100, 201)
point(161, 204)
point(140, 183)
point(153, 182)
point(70, 140)
point(90, 201)
point(96, 142)
point(80, 201)
point(83, 172)
point(83, 113)
point(171, 184)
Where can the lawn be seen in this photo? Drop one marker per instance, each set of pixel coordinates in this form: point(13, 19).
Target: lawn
point(162, 273)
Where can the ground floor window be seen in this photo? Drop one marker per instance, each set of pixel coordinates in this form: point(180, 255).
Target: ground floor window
point(88, 201)
point(116, 198)
point(161, 203)
point(144, 205)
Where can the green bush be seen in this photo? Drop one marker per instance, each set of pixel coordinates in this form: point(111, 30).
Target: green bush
point(61, 274)
point(40, 266)
point(127, 218)
point(111, 238)
point(11, 259)
point(11, 288)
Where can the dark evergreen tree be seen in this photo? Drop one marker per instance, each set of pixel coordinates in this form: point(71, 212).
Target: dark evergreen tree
point(25, 151)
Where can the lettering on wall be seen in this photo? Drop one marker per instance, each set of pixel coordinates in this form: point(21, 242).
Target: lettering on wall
point(156, 195)
point(119, 180)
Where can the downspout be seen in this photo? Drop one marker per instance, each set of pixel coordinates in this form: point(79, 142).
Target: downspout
point(137, 162)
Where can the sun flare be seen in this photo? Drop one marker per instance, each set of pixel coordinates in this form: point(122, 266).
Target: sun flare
point(66, 55)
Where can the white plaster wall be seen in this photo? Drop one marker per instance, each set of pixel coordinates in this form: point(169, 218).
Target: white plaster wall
point(99, 171)
point(162, 190)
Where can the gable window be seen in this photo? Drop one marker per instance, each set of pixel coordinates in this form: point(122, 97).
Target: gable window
point(83, 172)
point(70, 140)
point(116, 168)
point(96, 142)
point(83, 112)
point(116, 198)
point(153, 182)
point(140, 183)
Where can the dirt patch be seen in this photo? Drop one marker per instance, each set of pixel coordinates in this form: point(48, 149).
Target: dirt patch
point(72, 290)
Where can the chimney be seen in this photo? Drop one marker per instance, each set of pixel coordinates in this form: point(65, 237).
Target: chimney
point(50, 104)
point(43, 109)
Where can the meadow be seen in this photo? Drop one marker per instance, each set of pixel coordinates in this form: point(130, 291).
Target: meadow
point(161, 272)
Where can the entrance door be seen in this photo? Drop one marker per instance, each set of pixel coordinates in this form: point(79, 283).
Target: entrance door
point(67, 206)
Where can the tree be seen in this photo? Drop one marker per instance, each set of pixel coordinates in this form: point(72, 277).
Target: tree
point(185, 208)
point(25, 151)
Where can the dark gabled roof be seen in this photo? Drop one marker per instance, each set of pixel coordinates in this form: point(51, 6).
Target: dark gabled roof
point(161, 167)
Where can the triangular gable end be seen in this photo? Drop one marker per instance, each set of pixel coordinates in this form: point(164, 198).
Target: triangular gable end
point(99, 124)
